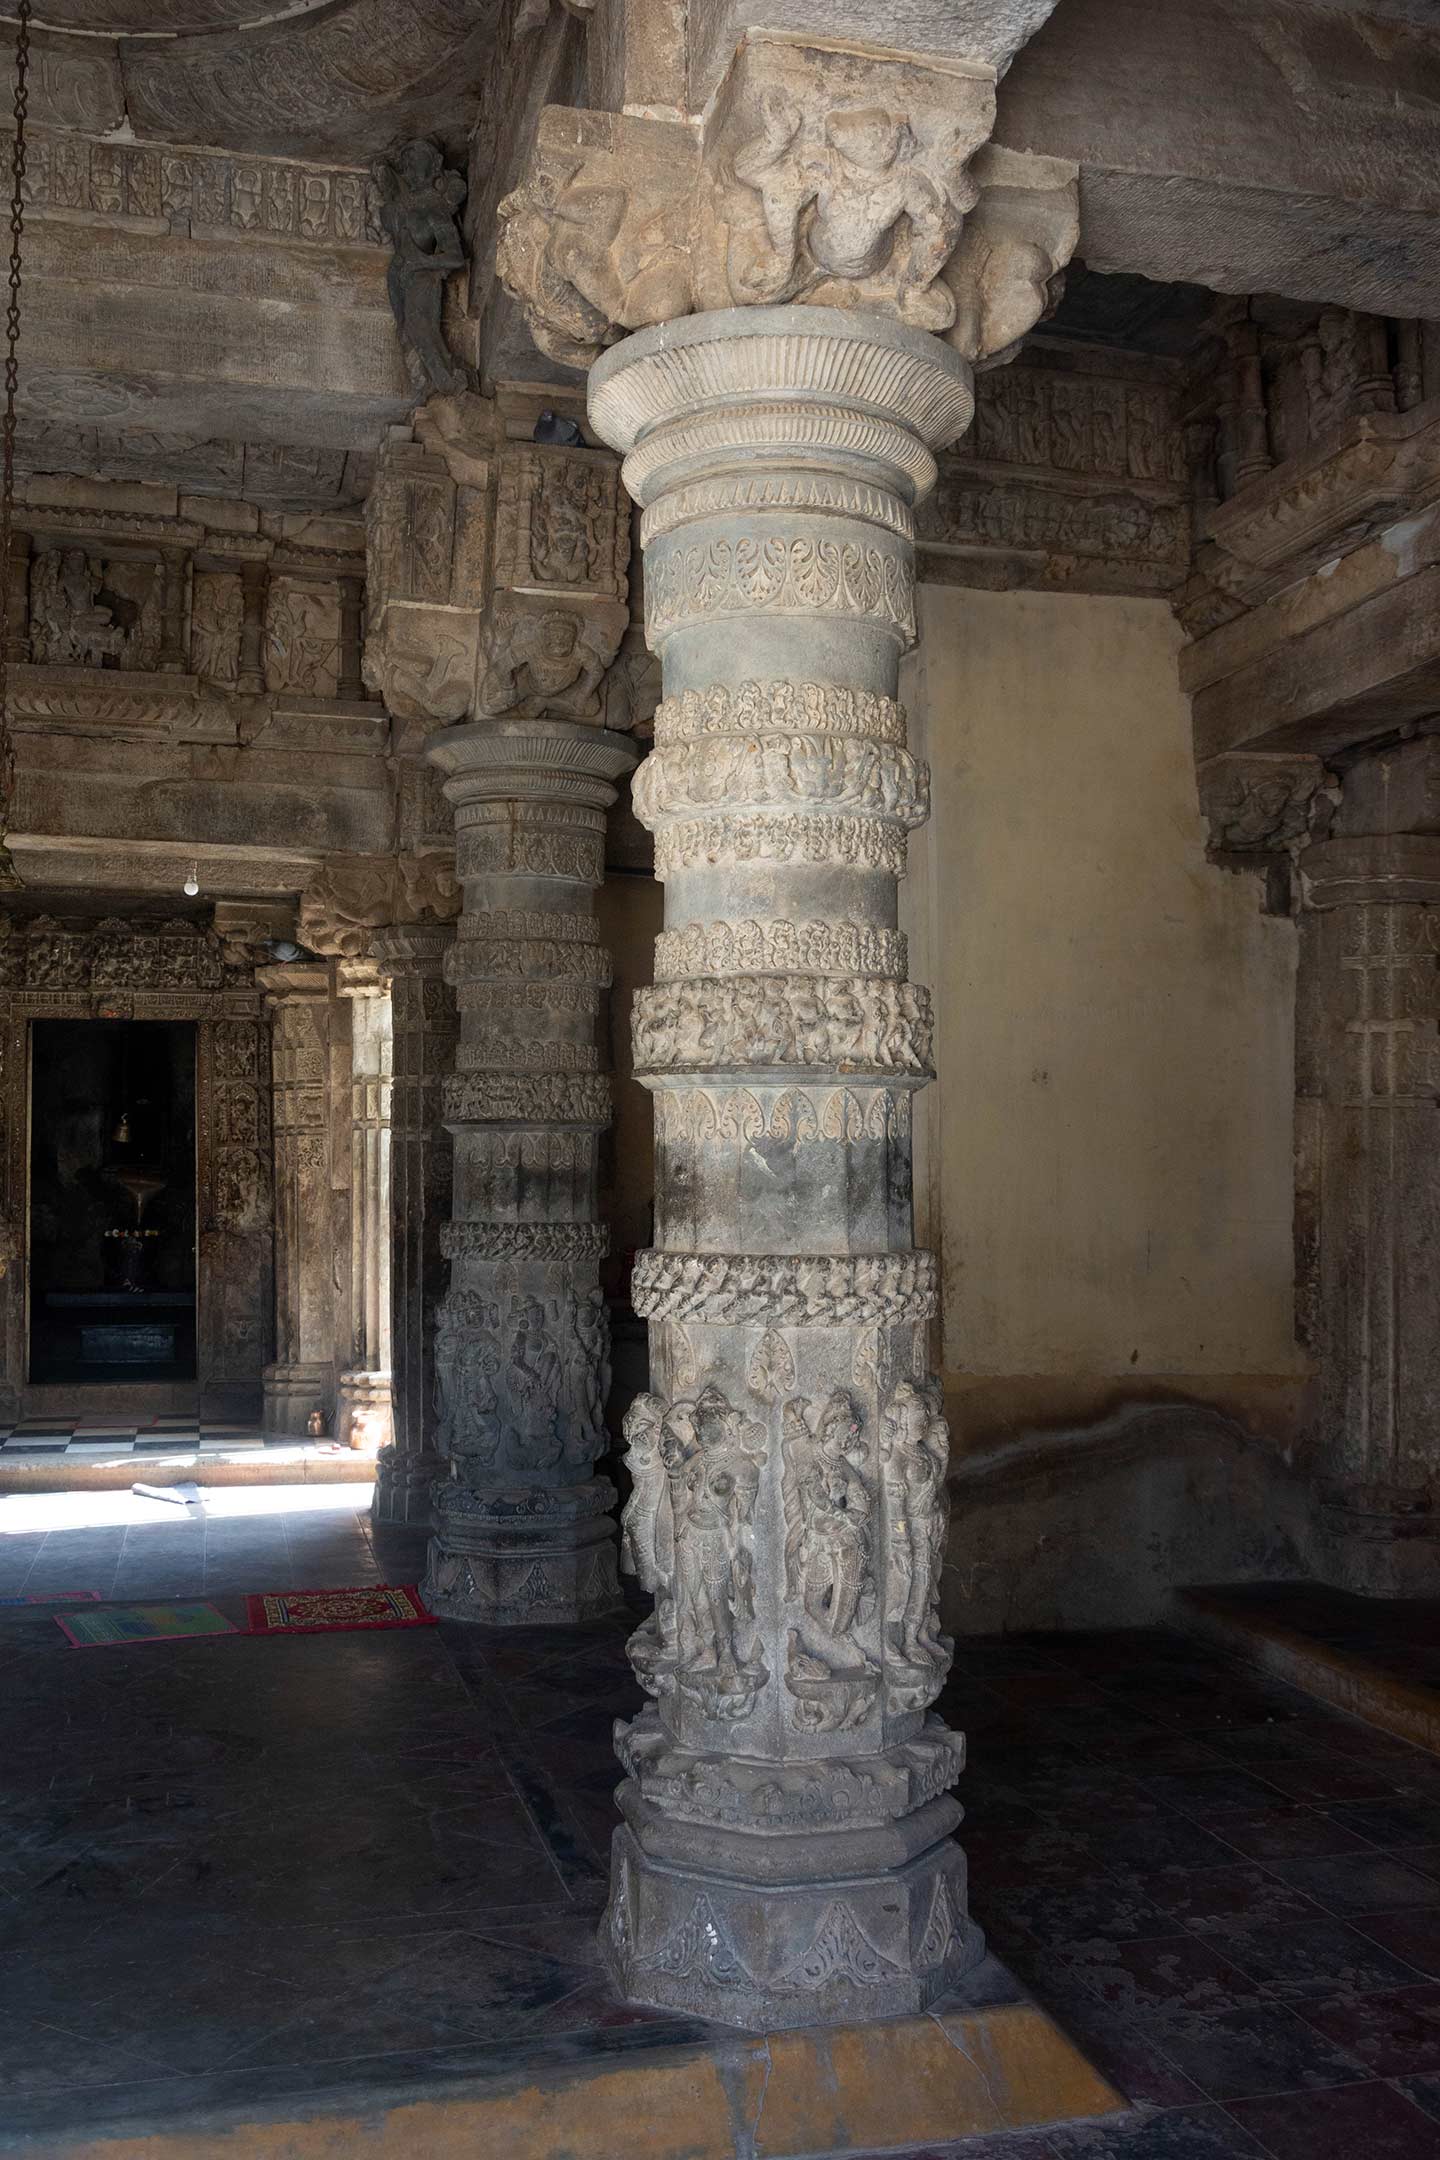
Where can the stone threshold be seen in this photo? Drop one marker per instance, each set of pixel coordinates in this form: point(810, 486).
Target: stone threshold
point(957, 2072)
point(1345, 1679)
point(269, 1466)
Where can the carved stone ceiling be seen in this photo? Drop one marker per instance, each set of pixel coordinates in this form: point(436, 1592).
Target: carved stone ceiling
point(321, 78)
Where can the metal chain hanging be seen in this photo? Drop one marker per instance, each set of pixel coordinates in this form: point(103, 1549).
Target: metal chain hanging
point(8, 876)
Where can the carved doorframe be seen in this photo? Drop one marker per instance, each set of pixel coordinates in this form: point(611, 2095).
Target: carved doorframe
point(120, 970)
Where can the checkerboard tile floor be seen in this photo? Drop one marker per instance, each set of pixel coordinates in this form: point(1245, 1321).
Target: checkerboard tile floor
point(104, 1437)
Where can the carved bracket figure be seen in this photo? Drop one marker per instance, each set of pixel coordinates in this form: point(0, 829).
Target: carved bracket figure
point(418, 202)
point(549, 660)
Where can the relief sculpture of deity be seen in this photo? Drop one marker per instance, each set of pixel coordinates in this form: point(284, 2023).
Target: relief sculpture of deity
point(914, 1451)
point(418, 202)
point(851, 196)
point(688, 1536)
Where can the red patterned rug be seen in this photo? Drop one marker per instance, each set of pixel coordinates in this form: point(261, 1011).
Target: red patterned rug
point(328, 1612)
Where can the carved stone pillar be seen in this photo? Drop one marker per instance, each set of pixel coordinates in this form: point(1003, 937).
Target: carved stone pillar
point(424, 1026)
point(787, 1853)
point(363, 1407)
point(300, 1380)
point(523, 1533)
point(1368, 1142)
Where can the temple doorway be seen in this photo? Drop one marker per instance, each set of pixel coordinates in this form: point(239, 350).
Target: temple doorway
point(112, 1201)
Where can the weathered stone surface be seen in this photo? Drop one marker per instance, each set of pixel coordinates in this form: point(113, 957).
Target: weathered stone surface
point(785, 1857)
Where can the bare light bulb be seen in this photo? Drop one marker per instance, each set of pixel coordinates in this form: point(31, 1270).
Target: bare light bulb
point(192, 883)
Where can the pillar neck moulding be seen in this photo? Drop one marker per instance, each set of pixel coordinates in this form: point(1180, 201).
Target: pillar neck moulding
point(424, 1026)
point(523, 1528)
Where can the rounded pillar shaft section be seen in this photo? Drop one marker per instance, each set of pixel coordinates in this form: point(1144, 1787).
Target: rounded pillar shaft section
point(523, 1534)
point(786, 1856)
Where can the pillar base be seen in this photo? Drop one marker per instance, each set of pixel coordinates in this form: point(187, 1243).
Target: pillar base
point(365, 1410)
point(1380, 1540)
point(292, 1393)
point(832, 1950)
point(403, 1488)
point(531, 1558)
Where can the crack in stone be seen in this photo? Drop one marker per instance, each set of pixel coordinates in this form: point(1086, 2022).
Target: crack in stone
point(732, 2076)
point(983, 2075)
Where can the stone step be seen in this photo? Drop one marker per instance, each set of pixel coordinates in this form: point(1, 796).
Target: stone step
point(1377, 1658)
point(993, 2062)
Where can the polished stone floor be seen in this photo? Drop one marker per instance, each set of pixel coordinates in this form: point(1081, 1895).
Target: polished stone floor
point(244, 1868)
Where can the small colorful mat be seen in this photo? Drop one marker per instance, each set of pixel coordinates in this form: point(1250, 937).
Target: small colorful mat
point(143, 1623)
point(325, 1612)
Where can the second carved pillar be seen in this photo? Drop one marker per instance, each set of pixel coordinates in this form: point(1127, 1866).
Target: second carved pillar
point(523, 1533)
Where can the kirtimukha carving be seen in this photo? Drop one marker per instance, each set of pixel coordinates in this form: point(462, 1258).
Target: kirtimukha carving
point(418, 203)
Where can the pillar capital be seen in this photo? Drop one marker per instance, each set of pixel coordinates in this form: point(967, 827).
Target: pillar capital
point(820, 173)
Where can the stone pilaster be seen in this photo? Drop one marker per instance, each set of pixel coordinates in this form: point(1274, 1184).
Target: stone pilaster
point(363, 1414)
point(523, 1534)
point(301, 1378)
point(1368, 1195)
point(786, 1855)
point(424, 1027)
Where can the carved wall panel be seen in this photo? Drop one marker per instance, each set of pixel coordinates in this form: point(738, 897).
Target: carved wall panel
point(262, 196)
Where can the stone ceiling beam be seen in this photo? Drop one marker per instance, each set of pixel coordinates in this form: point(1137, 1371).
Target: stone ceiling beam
point(1248, 148)
point(277, 340)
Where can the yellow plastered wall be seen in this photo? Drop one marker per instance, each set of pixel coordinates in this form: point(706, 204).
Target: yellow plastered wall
point(1105, 1162)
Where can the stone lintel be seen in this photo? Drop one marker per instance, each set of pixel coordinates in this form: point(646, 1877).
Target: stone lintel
point(1367, 672)
point(1244, 153)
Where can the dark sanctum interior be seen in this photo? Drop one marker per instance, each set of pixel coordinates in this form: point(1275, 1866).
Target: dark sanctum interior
point(112, 1200)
